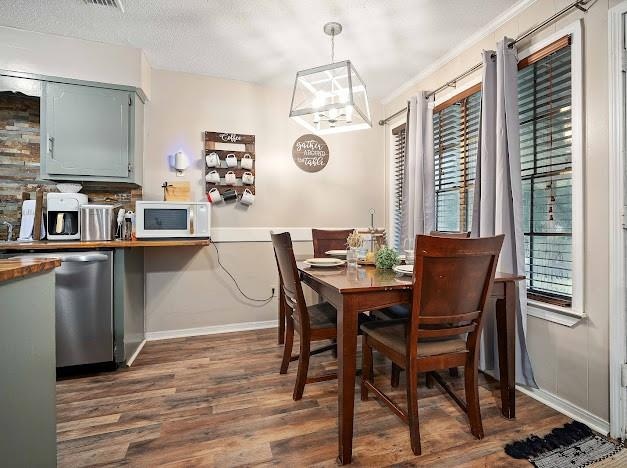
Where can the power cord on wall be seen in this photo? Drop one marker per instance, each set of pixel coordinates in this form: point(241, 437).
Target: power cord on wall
point(263, 301)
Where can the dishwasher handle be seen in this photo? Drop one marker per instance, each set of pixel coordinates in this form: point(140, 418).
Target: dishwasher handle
point(84, 258)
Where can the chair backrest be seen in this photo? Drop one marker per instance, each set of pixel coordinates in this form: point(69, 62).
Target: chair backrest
point(452, 281)
point(289, 276)
point(325, 240)
point(450, 234)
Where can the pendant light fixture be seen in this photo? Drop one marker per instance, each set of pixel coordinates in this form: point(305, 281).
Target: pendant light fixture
point(331, 98)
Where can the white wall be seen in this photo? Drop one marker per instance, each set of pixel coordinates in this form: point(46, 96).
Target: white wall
point(184, 287)
point(46, 54)
point(570, 363)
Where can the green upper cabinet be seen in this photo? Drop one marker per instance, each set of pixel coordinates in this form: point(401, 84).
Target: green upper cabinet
point(90, 133)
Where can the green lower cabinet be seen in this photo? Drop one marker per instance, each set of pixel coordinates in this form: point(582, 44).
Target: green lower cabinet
point(27, 372)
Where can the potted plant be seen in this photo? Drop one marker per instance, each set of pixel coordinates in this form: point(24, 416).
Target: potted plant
point(386, 258)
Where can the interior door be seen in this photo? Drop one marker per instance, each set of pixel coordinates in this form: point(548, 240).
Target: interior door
point(86, 131)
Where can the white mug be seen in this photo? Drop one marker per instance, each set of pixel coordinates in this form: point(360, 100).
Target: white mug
point(212, 159)
point(213, 177)
point(230, 178)
point(214, 195)
point(231, 160)
point(247, 161)
point(247, 198)
point(248, 178)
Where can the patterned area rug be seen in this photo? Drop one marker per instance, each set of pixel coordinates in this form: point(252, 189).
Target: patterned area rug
point(574, 445)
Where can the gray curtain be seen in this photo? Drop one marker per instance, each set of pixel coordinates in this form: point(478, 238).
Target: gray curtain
point(418, 213)
point(497, 205)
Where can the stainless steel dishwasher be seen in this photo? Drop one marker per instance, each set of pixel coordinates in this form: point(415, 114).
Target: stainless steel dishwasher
point(84, 306)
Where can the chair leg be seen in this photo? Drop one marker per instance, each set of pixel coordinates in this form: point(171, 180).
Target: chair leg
point(282, 319)
point(396, 375)
point(303, 367)
point(471, 385)
point(366, 371)
point(453, 372)
point(430, 381)
point(287, 347)
point(412, 410)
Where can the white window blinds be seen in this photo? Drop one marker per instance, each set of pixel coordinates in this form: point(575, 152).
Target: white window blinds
point(544, 100)
point(455, 139)
point(398, 176)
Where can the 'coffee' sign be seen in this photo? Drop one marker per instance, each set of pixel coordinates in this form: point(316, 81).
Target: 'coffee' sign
point(310, 153)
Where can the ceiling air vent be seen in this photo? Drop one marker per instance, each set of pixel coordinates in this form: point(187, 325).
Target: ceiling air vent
point(106, 3)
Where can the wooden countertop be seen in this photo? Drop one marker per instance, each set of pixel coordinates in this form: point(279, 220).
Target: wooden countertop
point(117, 244)
point(19, 268)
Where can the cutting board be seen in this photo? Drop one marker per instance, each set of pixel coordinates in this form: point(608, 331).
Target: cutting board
point(177, 191)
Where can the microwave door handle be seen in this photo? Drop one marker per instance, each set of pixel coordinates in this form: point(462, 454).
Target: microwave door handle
point(191, 221)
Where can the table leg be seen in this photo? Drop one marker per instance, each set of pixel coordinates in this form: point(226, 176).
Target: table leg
point(346, 363)
point(281, 316)
point(506, 330)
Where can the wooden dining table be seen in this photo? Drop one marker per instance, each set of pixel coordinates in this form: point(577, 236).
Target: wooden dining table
point(353, 290)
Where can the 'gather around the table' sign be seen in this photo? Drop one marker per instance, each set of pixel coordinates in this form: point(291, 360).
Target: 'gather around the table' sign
point(310, 153)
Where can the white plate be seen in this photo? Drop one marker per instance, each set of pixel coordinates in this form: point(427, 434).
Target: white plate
point(404, 269)
point(336, 253)
point(324, 262)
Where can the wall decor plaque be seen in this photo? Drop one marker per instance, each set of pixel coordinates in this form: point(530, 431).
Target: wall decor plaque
point(310, 153)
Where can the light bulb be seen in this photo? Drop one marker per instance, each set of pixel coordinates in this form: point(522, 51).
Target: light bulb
point(349, 113)
point(316, 118)
point(318, 100)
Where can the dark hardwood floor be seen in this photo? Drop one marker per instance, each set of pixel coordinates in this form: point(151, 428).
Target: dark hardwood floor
point(219, 401)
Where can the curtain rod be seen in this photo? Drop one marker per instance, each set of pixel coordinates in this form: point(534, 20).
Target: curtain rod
point(579, 4)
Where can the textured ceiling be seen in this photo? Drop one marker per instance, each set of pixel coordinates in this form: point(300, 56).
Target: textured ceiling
point(267, 41)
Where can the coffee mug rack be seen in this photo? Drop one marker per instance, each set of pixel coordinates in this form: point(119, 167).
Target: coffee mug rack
point(245, 145)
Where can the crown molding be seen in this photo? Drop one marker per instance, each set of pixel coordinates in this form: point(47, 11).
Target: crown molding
point(481, 34)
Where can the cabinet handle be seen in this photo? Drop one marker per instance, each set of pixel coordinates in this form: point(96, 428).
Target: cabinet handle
point(191, 221)
point(51, 146)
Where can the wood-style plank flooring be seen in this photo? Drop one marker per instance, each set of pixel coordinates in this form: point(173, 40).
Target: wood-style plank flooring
point(219, 401)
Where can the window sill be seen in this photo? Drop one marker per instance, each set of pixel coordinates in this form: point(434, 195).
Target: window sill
point(552, 313)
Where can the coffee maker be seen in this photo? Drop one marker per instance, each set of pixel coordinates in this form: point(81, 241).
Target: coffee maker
point(63, 215)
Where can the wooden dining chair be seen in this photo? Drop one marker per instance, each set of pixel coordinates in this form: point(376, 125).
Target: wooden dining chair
point(451, 285)
point(325, 240)
point(401, 311)
point(313, 323)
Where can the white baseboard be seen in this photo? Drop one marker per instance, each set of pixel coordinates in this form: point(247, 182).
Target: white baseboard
point(228, 328)
point(135, 354)
point(565, 407)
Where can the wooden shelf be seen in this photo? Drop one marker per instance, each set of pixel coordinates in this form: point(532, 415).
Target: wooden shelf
point(248, 142)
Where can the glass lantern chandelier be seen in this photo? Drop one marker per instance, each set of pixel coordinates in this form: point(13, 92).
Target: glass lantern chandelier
point(331, 98)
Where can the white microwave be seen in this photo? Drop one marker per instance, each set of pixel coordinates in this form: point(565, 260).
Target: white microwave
point(157, 220)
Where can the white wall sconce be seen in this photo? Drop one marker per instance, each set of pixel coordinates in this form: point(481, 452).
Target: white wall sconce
point(179, 162)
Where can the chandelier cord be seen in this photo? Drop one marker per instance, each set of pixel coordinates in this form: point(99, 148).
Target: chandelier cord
point(333, 47)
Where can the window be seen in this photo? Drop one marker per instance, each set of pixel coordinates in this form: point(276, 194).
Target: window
point(545, 110)
point(550, 108)
point(549, 95)
point(398, 174)
point(455, 143)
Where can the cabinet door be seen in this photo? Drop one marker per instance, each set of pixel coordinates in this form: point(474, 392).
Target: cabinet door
point(86, 131)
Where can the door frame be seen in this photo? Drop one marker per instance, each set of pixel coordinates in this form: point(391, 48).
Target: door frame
point(617, 312)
